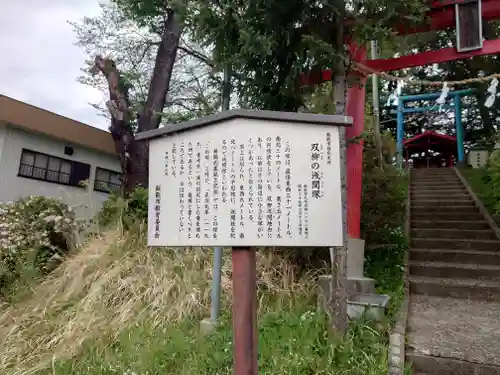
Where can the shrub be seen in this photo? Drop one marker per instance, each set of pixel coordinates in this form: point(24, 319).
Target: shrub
point(384, 199)
point(126, 210)
point(35, 233)
point(494, 180)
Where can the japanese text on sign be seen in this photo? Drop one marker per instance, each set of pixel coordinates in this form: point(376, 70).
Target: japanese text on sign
point(262, 184)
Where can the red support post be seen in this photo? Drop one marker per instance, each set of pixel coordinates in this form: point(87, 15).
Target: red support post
point(244, 311)
point(355, 109)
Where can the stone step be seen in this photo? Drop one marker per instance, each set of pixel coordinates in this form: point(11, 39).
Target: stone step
point(425, 188)
point(455, 270)
point(444, 202)
point(415, 177)
point(429, 365)
point(433, 171)
point(463, 209)
point(434, 175)
point(435, 181)
point(439, 195)
point(446, 216)
point(454, 244)
point(450, 224)
point(456, 256)
point(456, 288)
point(437, 184)
point(454, 194)
point(462, 234)
point(430, 177)
point(422, 190)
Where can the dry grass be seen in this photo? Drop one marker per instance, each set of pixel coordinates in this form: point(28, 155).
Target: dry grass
point(109, 285)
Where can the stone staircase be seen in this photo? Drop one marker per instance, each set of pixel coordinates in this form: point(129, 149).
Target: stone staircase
point(454, 277)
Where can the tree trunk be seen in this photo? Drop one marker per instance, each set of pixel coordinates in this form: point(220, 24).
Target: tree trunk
point(150, 116)
point(120, 128)
point(338, 294)
point(134, 156)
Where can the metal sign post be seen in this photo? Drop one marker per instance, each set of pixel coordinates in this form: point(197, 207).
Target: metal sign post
point(246, 179)
point(244, 311)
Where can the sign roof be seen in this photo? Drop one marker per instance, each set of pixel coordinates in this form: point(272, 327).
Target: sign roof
point(290, 117)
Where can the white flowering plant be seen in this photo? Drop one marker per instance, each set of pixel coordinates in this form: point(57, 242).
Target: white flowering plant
point(35, 232)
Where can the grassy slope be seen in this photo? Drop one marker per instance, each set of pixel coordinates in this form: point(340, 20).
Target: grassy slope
point(117, 307)
point(474, 178)
point(482, 188)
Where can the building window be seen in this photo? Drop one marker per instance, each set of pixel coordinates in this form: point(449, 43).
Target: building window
point(107, 180)
point(52, 169)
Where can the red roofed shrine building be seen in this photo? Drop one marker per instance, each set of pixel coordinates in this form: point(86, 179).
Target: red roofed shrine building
point(430, 150)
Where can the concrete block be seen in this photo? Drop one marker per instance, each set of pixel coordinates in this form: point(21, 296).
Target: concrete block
point(207, 326)
point(396, 360)
point(396, 350)
point(355, 257)
point(357, 285)
point(395, 339)
point(373, 305)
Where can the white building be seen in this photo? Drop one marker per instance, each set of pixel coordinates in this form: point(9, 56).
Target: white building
point(42, 153)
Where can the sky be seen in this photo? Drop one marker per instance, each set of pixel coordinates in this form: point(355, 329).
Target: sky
point(39, 63)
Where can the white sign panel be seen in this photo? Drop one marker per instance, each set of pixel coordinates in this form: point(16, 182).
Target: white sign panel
point(246, 182)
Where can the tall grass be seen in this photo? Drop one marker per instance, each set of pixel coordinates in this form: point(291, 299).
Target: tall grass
point(119, 307)
point(116, 283)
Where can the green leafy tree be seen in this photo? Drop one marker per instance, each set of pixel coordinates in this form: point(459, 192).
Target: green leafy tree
point(268, 44)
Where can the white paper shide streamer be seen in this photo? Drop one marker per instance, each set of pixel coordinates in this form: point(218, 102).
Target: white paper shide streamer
point(492, 90)
point(394, 97)
point(442, 98)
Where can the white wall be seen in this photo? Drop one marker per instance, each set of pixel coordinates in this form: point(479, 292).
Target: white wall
point(12, 187)
point(3, 133)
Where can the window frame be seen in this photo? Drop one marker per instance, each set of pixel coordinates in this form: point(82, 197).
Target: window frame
point(46, 169)
point(113, 185)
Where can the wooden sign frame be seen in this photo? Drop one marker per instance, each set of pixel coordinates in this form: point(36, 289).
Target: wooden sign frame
point(469, 25)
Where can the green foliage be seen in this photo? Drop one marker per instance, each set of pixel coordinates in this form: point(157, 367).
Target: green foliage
point(292, 341)
point(150, 14)
point(35, 233)
point(494, 173)
point(126, 210)
point(263, 44)
point(382, 222)
point(485, 182)
point(479, 180)
point(384, 199)
point(386, 266)
point(269, 43)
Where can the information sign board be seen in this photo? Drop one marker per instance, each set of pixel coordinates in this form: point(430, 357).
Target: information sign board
point(247, 182)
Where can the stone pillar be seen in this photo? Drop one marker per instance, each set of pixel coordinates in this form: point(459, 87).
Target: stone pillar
point(356, 282)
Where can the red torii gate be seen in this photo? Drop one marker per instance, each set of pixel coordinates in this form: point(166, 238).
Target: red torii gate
point(443, 14)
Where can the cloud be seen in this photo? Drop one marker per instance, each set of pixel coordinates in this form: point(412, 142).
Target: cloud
point(39, 63)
